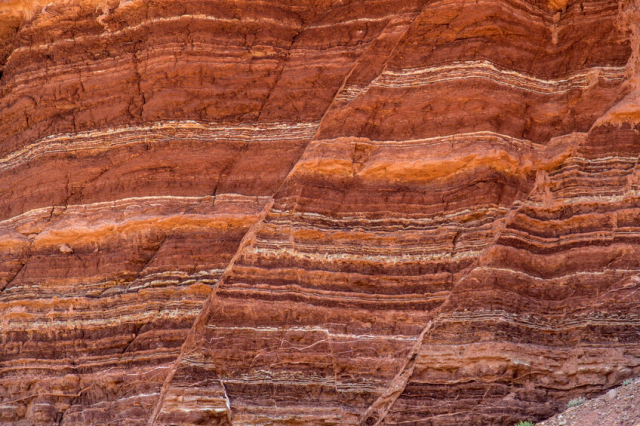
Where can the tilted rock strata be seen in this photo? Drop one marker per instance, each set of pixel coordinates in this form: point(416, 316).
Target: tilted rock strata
point(570, 242)
point(88, 329)
point(315, 212)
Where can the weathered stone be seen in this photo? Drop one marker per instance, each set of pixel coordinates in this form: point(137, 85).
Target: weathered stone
point(316, 212)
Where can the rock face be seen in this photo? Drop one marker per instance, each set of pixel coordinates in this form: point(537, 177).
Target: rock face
point(318, 211)
point(618, 407)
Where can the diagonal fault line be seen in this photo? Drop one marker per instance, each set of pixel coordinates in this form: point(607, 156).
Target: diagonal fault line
point(391, 54)
point(378, 411)
point(247, 241)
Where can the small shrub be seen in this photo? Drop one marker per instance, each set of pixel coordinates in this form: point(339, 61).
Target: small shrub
point(527, 423)
point(627, 382)
point(576, 401)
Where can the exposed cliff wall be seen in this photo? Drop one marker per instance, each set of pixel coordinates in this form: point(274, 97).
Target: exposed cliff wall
point(317, 212)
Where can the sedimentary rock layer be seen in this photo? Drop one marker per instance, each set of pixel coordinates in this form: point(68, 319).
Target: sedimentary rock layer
point(317, 212)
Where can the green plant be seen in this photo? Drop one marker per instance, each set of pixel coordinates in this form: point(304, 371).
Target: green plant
point(576, 401)
point(627, 382)
point(523, 423)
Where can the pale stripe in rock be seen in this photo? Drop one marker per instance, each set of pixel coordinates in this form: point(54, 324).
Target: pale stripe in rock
point(115, 319)
point(427, 246)
point(338, 296)
point(119, 363)
point(397, 227)
point(295, 381)
point(130, 202)
point(331, 257)
point(357, 21)
point(85, 308)
point(183, 279)
point(313, 329)
point(469, 137)
point(348, 221)
point(392, 226)
point(200, 407)
point(126, 135)
point(583, 196)
point(586, 274)
point(177, 275)
point(555, 324)
point(417, 77)
point(582, 162)
point(377, 299)
point(18, 293)
point(559, 242)
point(409, 252)
point(349, 93)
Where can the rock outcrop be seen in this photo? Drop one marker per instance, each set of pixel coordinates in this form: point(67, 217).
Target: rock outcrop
point(316, 212)
point(618, 407)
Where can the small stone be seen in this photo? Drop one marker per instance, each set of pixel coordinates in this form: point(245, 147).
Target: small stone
point(65, 249)
point(612, 394)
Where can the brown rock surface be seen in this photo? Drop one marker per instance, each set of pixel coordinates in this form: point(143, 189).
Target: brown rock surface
point(618, 407)
point(316, 212)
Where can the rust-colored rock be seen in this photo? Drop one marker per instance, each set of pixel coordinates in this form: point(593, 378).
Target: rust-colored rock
point(316, 212)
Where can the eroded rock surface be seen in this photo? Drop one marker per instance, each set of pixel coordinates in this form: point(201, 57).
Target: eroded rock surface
point(316, 212)
point(618, 407)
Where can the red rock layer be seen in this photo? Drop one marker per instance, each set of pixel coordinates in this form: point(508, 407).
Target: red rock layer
point(98, 298)
point(315, 213)
point(558, 282)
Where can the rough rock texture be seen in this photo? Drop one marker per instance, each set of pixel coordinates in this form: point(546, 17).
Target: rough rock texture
point(316, 212)
point(618, 407)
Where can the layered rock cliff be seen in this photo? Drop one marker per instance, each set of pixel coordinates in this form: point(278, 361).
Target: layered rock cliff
point(316, 212)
